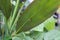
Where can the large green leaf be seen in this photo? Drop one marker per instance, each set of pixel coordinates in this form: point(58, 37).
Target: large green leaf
point(5, 6)
point(36, 13)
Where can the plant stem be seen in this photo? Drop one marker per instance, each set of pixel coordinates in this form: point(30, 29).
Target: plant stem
point(14, 13)
point(17, 17)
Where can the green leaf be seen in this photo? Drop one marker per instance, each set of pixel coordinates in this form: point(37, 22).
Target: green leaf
point(6, 7)
point(0, 38)
point(36, 13)
point(40, 27)
point(49, 24)
point(22, 36)
point(18, 38)
point(52, 35)
point(36, 35)
point(7, 37)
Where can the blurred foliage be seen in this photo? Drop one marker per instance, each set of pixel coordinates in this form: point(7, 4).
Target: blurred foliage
point(20, 25)
point(6, 8)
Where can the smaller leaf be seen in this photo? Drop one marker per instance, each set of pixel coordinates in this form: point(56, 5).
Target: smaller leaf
point(36, 35)
point(49, 24)
point(52, 35)
point(39, 27)
point(22, 36)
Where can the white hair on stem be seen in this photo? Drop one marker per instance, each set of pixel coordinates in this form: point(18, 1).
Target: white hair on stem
point(58, 12)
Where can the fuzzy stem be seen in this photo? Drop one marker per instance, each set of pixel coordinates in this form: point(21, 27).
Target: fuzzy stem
point(14, 13)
